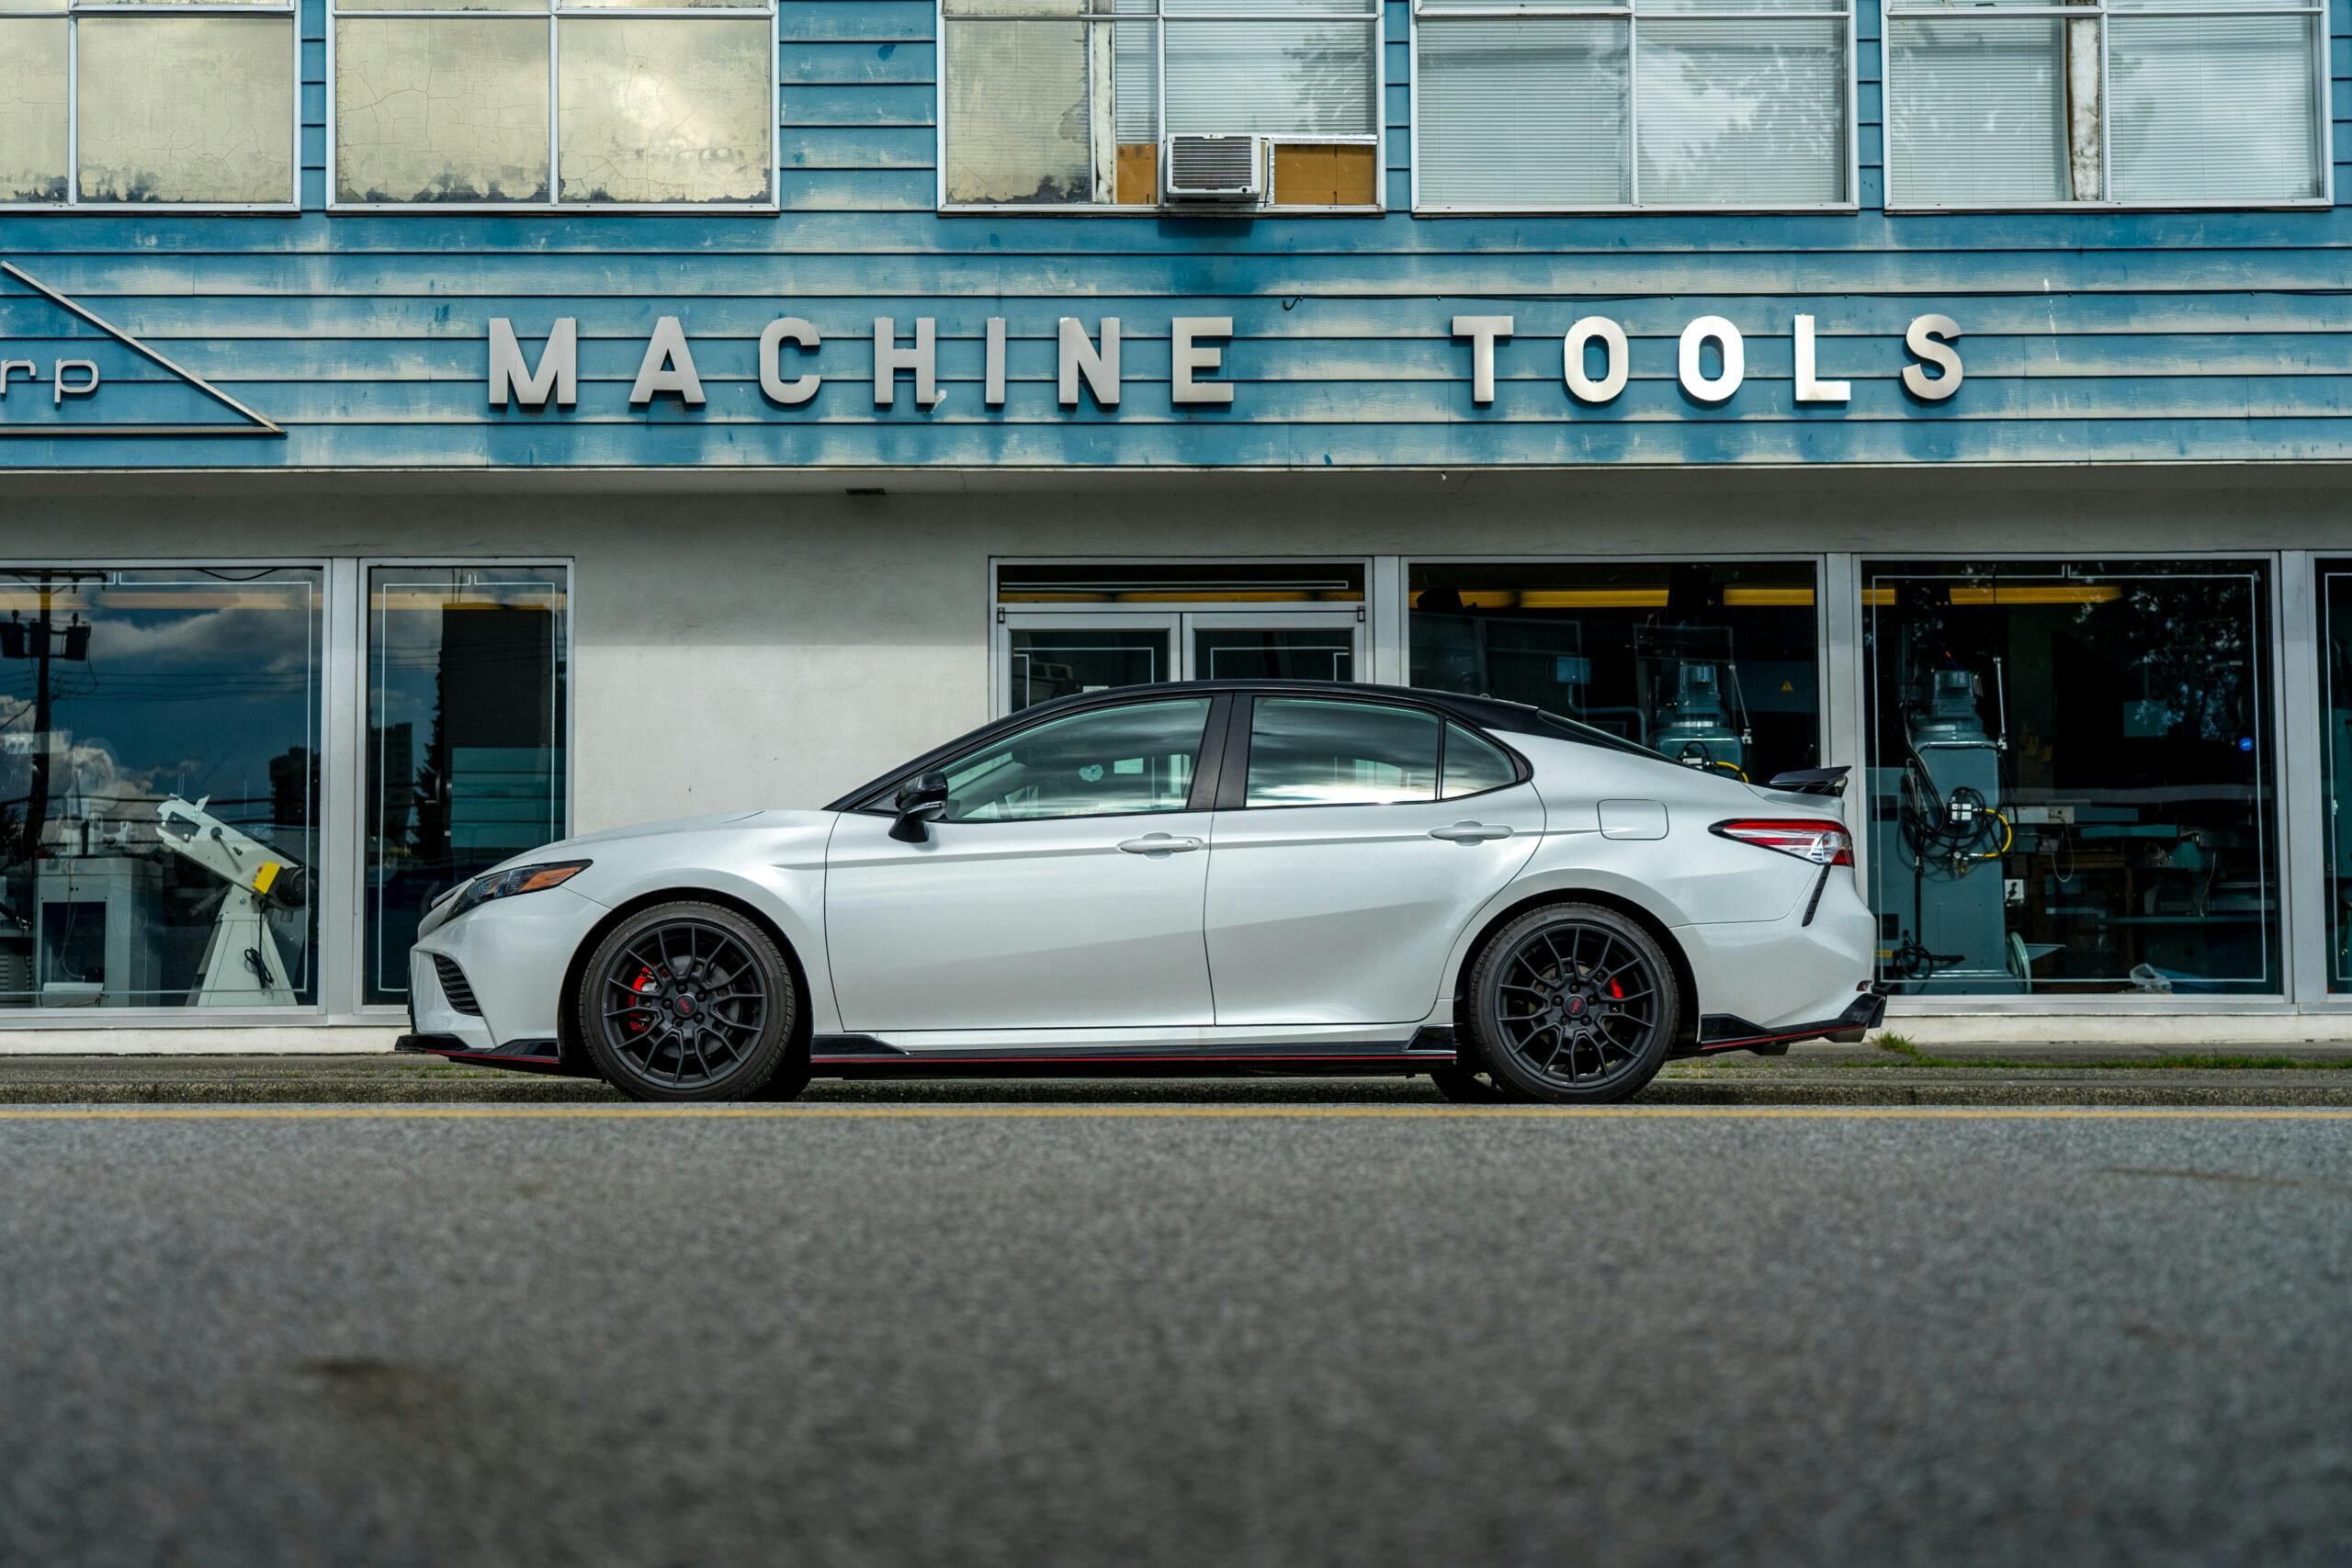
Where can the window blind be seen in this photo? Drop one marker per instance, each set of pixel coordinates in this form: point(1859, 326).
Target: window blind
point(1524, 113)
point(1977, 111)
point(1276, 76)
point(2214, 108)
point(1742, 112)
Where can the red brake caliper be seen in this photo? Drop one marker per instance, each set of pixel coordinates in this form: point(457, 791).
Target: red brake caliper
point(643, 986)
point(1616, 991)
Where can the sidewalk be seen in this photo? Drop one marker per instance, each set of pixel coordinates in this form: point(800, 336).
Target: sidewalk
point(1810, 1075)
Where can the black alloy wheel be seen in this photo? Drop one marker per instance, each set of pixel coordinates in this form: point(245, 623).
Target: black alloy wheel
point(692, 1002)
point(1572, 1004)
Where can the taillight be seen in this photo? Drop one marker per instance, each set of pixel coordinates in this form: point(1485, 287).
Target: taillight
point(1808, 837)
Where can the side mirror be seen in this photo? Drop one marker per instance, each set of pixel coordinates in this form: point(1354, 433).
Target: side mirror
point(921, 800)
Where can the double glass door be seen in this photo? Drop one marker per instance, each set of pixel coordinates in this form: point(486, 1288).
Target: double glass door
point(1049, 654)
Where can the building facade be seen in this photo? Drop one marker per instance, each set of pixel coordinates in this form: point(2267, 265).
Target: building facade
point(427, 430)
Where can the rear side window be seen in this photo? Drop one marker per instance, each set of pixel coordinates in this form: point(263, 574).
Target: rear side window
point(1306, 753)
point(1473, 764)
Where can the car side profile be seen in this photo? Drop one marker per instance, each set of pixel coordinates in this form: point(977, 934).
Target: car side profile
point(1211, 876)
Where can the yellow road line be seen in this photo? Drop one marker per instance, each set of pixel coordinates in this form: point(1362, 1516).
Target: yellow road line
point(1296, 1112)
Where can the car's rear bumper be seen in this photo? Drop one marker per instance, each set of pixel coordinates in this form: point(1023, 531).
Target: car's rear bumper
point(1729, 1031)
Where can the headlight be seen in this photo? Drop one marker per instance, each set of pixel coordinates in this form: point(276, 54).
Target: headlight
point(515, 879)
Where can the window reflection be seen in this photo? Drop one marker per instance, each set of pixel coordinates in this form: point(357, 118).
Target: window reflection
point(2070, 783)
point(2335, 760)
point(159, 787)
point(1716, 665)
point(465, 745)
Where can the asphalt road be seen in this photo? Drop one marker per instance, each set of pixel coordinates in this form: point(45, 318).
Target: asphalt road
point(1256, 1334)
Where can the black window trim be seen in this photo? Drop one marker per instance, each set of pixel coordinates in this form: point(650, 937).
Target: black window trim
point(1233, 786)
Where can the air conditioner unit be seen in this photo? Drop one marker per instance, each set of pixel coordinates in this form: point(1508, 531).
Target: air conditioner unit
point(1227, 169)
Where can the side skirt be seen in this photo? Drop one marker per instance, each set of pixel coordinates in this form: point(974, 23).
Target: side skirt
point(860, 1056)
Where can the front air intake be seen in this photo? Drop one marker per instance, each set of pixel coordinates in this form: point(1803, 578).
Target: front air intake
point(1213, 168)
point(454, 988)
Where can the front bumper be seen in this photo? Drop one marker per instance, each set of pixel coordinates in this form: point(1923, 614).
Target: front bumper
point(530, 1055)
point(508, 960)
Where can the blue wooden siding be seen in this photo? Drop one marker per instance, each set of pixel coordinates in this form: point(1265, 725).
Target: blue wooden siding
point(2139, 337)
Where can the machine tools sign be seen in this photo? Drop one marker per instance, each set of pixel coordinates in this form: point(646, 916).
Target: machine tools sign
point(1711, 362)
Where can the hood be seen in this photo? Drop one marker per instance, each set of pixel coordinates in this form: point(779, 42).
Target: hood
point(674, 825)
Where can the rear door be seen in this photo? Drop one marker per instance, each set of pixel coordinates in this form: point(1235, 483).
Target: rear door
point(1354, 841)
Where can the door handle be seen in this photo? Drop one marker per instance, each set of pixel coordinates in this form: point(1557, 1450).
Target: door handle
point(1470, 832)
point(1159, 844)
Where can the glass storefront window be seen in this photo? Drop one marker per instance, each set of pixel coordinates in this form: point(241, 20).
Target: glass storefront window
point(466, 743)
point(2335, 760)
point(1718, 665)
point(159, 786)
point(2070, 778)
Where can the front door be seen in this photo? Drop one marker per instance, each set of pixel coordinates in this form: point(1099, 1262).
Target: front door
point(1366, 835)
point(1061, 889)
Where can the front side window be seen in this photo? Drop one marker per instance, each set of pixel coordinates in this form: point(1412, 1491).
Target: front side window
point(1306, 753)
point(524, 103)
point(1109, 762)
point(146, 106)
point(159, 787)
point(465, 752)
point(1651, 102)
point(2070, 784)
point(2155, 102)
point(1064, 103)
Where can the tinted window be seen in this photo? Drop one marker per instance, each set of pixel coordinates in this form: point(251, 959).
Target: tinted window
point(1105, 762)
point(1473, 763)
point(1304, 752)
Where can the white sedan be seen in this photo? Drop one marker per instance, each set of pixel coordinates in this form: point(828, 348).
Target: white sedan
point(1212, 876)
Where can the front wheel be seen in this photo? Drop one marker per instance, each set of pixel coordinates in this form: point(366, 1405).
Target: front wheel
point(690, 1001)
point(1574, 1004)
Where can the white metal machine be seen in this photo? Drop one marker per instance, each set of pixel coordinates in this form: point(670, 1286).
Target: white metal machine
point(243, 966)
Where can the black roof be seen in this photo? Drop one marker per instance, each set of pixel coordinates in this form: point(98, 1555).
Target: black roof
point(1484, 712)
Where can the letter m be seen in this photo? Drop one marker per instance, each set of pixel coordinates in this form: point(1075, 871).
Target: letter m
point(558, 375)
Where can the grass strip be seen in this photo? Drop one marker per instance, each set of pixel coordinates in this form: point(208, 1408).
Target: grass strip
point(2192, 1061)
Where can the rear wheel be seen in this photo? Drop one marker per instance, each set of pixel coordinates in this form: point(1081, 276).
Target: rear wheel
point(690, 1001)
point(1574, 1004)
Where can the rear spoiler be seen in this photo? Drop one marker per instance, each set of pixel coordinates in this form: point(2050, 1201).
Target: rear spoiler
point(1830, 781)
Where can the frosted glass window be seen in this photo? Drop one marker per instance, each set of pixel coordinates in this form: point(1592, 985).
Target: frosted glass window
point(1730, 105)
point(33, 98)
point(654, 111)
point(441, 111)
point(1064, 102)
point(166, 106)
point(449, 101)
point(2210, 102)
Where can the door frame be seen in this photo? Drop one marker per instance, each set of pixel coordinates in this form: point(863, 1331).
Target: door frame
point(1177, 625)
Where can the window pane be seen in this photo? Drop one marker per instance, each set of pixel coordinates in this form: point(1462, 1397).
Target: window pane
point(1750, 113)
point(32, 110)
point(1274, 77)
point(2070, 782)
point(130, 691)
point(465, 747)
point(1977, 111)
point(441, 110)
point(1053, 663)
point(537, 7)
point(2335, 759)
point(1324, 753)
point(2214, 109)
point(1273, 653)
point(1524, 114)
point(666, 110)
point(1019, 128)
point(1113, 760)
point(1473, 764)
point(186, 109)
point(1717, 665)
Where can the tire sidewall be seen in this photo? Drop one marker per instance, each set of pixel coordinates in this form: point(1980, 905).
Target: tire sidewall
point(776, 1066)
point(1503, 1066)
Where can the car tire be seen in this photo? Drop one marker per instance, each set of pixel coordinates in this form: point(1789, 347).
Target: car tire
point(691, 1002)
point(1571, 1004)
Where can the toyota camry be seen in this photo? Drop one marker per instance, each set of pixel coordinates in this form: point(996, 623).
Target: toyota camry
point(1217, 877)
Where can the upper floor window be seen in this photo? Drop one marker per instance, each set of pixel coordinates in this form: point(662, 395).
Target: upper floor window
point(2154, 102)
point(553, 103)
point(1523, 105)
point(147, 106)
point(1064, 103)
